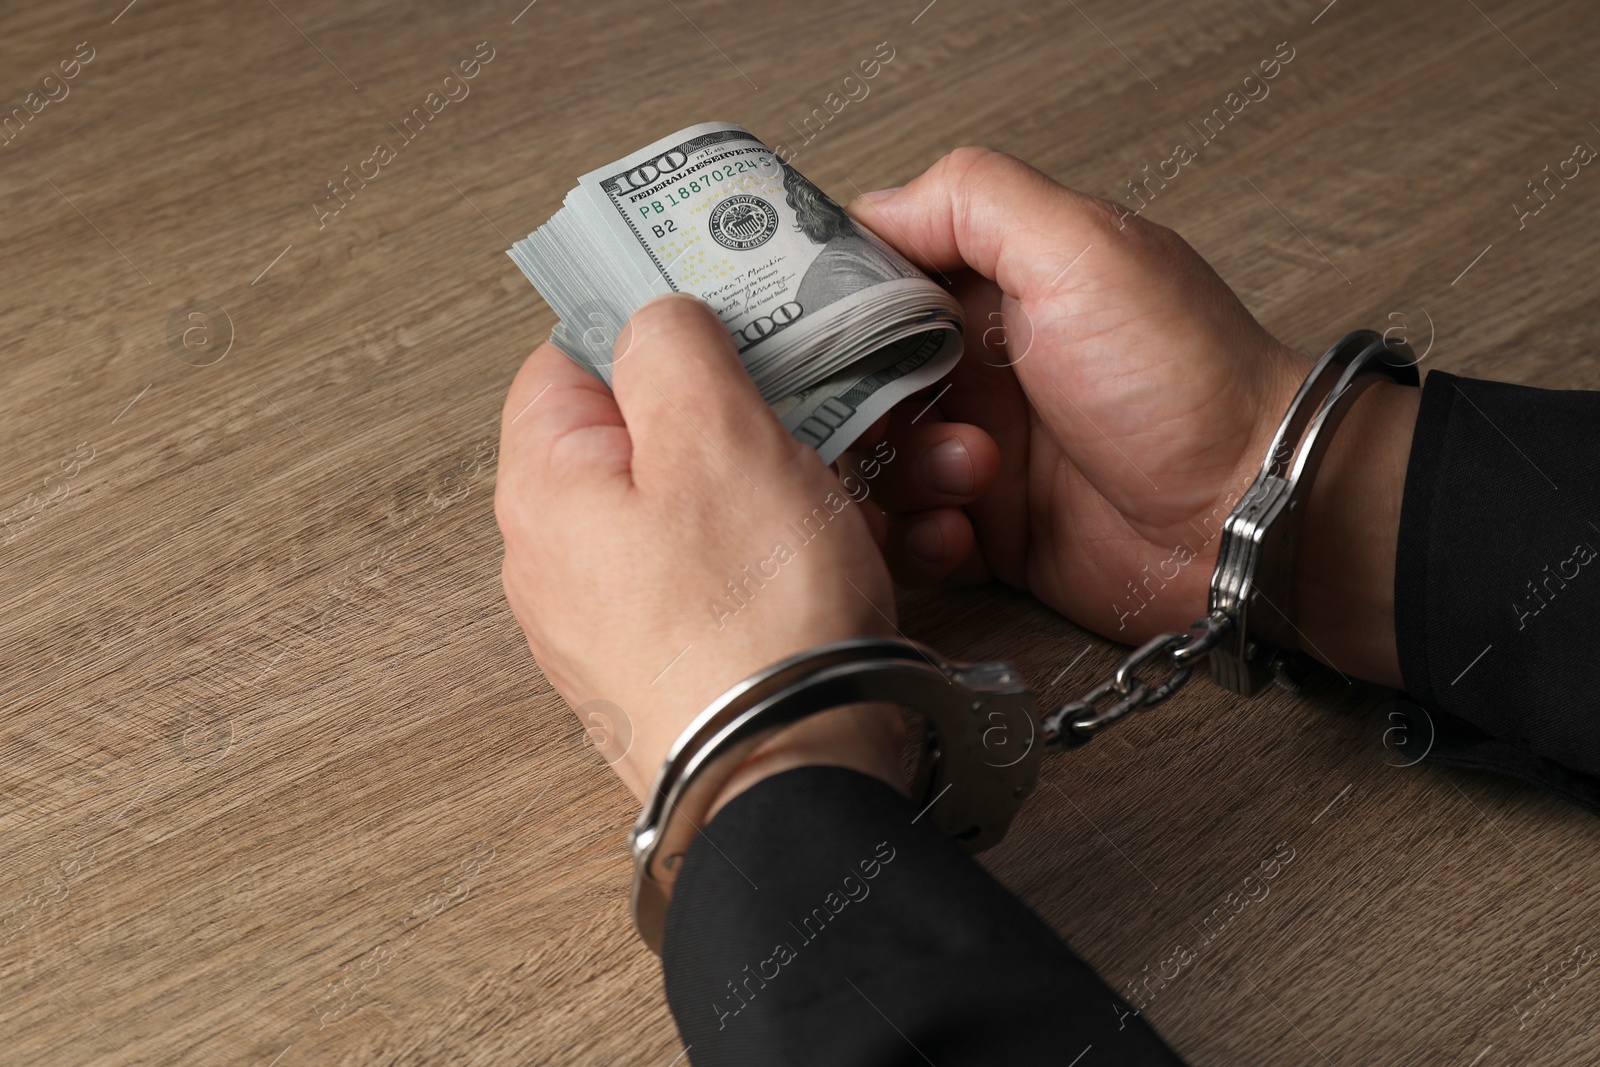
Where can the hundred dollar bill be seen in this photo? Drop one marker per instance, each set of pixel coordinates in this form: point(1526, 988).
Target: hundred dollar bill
point(833, 325)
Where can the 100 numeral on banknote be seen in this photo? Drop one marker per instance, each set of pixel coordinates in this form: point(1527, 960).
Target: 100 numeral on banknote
point(832, 324)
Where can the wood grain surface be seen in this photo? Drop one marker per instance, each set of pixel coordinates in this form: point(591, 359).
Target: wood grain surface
point(279, 782)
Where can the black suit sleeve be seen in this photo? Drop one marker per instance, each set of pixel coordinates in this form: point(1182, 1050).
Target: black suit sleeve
point(818, 921)
point(1497, 582)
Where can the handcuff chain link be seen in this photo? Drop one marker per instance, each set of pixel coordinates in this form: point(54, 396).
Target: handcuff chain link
point(1079, 721)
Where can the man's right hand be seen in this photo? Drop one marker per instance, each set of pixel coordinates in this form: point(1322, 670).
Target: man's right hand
point(1114, 402)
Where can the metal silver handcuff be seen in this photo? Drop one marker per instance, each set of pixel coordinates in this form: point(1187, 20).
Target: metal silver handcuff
point(979, 758)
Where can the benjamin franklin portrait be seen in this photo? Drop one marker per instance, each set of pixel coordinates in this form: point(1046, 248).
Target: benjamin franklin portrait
point(850, 261)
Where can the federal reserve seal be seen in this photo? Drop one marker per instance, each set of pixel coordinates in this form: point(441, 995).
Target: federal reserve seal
point(743, 222)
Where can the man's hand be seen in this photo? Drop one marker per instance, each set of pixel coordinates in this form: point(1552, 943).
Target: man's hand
point(1114, 402)
point(668, 540)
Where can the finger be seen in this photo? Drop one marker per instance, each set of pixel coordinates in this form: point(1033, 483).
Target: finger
point(925, 548)
point(936, 464)
point(560, 425)
point(998, 333)
point(877, 523)
point(984, 392)
point(992, 212)
point(685, 396)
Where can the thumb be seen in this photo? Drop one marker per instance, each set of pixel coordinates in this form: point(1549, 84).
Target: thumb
point(986, 210)
point(687, 398)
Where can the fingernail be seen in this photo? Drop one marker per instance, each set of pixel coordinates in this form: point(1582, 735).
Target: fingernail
point(879, 194)
point(672, 296)
point(667, 297)
point(947, 468)
point(925, 543)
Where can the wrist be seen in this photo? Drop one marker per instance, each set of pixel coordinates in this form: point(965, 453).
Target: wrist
point(1345, 564)
point(861, 737)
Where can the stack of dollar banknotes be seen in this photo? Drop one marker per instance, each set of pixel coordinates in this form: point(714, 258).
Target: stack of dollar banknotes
point(833, 325)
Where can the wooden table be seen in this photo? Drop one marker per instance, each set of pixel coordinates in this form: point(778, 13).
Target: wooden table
point(279, 782)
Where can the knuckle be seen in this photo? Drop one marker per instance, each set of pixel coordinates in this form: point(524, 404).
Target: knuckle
point(1168, 245)
point(1109, 217)
point(504, 507)
point(972, 155)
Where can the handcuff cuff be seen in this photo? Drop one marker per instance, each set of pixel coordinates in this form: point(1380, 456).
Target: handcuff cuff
point(978, 756)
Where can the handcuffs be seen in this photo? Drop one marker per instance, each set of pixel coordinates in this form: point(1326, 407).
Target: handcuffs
point(978, 755)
